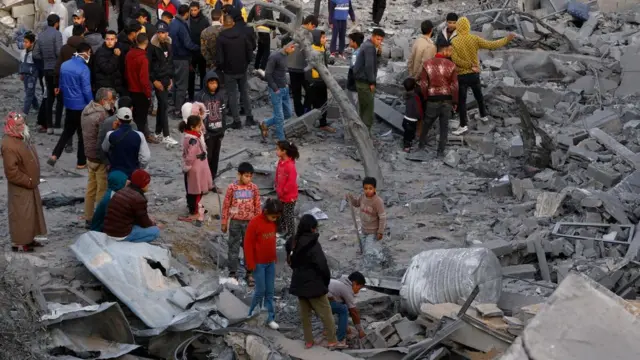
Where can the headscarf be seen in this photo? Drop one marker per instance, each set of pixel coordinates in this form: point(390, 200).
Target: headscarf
point(115, 181)
point(14, 125)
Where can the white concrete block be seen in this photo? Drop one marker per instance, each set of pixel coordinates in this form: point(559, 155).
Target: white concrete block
point(23, 10)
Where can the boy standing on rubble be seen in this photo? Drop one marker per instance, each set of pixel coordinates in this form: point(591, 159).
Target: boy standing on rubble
point(29, 73)
point(413, 113)
point(372, 214)
point(465, 56)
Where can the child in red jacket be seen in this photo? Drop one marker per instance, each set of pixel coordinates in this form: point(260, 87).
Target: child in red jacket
point(287, 184)
point(260, 257)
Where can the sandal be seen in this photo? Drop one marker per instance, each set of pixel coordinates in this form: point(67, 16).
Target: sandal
point(264, 131)
point(308, 345)
point(337, 345)
point(21, 248)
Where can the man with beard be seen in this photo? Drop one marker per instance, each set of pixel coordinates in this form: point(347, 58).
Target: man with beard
point(161, 74)
point(78, 19)
point(197, 24)
point(91, 119)
point(106, 65)
point(22, 171)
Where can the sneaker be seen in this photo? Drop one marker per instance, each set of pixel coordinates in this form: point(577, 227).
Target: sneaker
point(52, 161)
point(250, 121)
point(50, 131)
point(260, 72)
point(68, 149)
point(236, 125)
point(461, 130)
point(273, 325)
point(484, 119)
point(42, 130)
point(168, 140)
point(152, 140)
point(338, 345)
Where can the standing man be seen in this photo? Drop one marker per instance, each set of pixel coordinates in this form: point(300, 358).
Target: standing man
point(449, 31)
point(297, 65)
point(94, 13)
point(365, 71)
point(256, 14)
point(130, 10)
point(378, 11)
point(111, 123)
point(422, 50)
point(233, 55)
point(276, 76)
point(341, 296)
point(75, 86)
point(22, 171)
point(47, 49)
point(137, 74)
point(197, 24)
point(465, 56)
point(161, 73)
point(209, 37)
point(237, 4)
point(339, 12)
point(106, 65)
point(182, 46)
point(126, 41)
point(78, 19)
point(144, 18)
point(91, 119)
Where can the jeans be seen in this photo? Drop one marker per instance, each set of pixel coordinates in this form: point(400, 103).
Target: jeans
point(319, 305)
point(299, 82)
point(71, 125)
point(237, 230)
point(465, 82)
point(281, 111)
point(30, 98)
point(180, 82)
point(342, 311)
point(162, 117)
point(214, 144)
point(199, 65)
point(96, 187)
point(140, 234)
point(238, 83)
point(365, 103)
point(264, 49)
point(338, 35)
point(264, 276)
point(440, 110)
point(140, 111)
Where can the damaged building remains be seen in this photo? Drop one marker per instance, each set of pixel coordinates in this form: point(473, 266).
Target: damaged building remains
point(520, 242)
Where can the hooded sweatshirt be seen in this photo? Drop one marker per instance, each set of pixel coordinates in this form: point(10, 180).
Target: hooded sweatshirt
point(413, 106)
point(276, 70)
point(260, 242)
point(234, 51)
point(214, 122)
point(466, 46)
point(311, 274)
point(115, 181)
point(91, 119)
point(316, 35)
point(137, 72)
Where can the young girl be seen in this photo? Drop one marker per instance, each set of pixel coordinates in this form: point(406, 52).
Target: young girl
point(260, 257)
point(287, 183)
point(197, 176)
point(310, 279)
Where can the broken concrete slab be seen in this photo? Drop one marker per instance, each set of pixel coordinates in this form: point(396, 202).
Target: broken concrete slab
point(524, 271)
point(407, 329)
point(389, 115)
point(488, 310)
point(606, 176)
point(231, 307)
point(576, 308)
point(612, 144)
point(297, 350)
point(603, 119)
point(548, 203)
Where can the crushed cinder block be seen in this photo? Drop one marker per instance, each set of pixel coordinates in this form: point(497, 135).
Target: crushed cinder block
point(519, 187)
point(408, 329)
point(452, 158)
point(524, 271)
point(531, 97)
point(499, 247)
point(488, 310)
point(500, 187)
point(427, 206)
point(23, 10)
point(631, 124)
point(603, 119)
point(606, 176)
point(517, 147)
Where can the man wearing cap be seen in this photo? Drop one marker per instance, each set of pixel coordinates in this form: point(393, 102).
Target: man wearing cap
point(127, 217)
point(161, 74)
point(126, 148)
point(78, 19)
point(112, 123)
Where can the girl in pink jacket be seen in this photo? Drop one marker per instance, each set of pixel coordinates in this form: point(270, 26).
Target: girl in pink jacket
point(287, 183)
point(197, 176)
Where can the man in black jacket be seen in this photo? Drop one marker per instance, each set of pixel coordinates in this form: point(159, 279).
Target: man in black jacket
point(126, 40)
point(144, 18)
point(106, 65)
point(233, 55)
point(197, 24)
point(94, 13)
point(161, 74)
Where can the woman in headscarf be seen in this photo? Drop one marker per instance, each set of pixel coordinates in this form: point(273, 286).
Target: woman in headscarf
point(22, 170)
point(115, 181)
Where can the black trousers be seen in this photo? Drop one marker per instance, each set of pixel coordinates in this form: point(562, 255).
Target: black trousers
point(140, 111)
point(436, 110)
point(318, 95)
point(46, 120)
point(465, 82)
point(214, 144)
point(378, 10)
point(72, 125)
point(162, 117)
point(409, 132)
point(298, 82)
point(199, 65)
point(264, 48)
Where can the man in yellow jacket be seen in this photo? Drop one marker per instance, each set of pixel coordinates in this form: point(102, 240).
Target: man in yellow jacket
point(465, 56)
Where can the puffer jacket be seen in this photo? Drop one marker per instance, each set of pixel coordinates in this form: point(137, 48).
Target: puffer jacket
point(91, 119)
point(75, 83)
point(311, 274)
point(67, 52)
point(106, 70)
point(181, 43)
point(160, 61)
point(124, 44)
point(215, 122)
point(127, 207)
point(95, 40)
point(466, 46)
point(48, 46)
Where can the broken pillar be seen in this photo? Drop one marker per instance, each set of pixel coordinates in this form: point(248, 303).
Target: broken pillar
point(297, 127)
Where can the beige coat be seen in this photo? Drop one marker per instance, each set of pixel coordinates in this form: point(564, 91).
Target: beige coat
point(422, 50)
point(22, 170)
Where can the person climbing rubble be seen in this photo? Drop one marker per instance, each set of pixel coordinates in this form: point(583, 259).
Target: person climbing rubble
point(341, 296)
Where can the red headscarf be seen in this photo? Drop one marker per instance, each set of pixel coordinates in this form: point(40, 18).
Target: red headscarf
point(14, 125)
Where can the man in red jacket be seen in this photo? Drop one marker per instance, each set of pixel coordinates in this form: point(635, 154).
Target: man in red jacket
point(137, 75)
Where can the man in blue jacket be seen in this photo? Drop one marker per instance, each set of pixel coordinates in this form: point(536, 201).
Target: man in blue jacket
point(182, 46)
point(339, 12)
point(75, 86)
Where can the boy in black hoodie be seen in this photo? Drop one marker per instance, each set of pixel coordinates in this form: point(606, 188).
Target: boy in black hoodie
point(413, 113)
point(213, 99)
point(317, 87)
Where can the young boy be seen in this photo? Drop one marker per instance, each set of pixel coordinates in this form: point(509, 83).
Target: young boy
point(317, 87)
point(413, 113)
point(449, 31)
point(29, 73)
point(213, 99)
point(465, 56)
point(241, 204)
point(355, 40)
point(256, 14)
point(339, 12)
point(439, 85)
point(372, 215)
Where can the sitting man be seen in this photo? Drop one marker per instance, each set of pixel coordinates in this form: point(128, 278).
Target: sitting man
point(342, 299)
point(127, 149)
point(127, 217)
